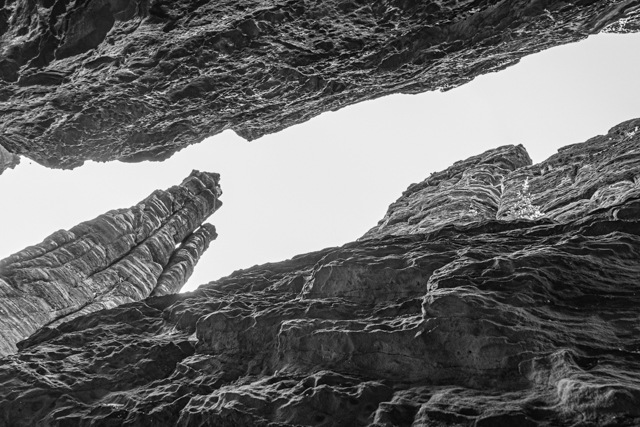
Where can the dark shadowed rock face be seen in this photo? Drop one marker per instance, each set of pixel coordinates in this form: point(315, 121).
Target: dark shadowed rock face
point(139, 80)
point(498, 321)
point(122, 256)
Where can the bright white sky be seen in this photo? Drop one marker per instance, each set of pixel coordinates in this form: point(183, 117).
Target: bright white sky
point(327, 181)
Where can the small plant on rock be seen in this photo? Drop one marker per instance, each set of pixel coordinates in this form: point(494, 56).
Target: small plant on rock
point(524, 208)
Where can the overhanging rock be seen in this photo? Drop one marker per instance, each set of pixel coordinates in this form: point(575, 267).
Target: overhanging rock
point(122, 256)
point(139, 80)
point(7, 160)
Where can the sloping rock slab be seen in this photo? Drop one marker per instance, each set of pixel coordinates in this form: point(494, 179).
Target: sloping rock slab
point(500, 323)
point(139, 80)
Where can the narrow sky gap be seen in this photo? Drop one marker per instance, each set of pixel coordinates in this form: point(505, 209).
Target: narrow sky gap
point(326, 182)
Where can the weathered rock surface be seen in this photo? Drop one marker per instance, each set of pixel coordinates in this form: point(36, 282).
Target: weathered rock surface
point(122, 256)
point(568, 185)
point(139, 80)
point(497, 321)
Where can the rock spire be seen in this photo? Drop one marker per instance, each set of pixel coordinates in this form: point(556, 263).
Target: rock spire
point(122, 256)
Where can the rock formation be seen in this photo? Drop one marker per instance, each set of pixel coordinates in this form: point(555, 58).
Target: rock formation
point(7, 160)
point(139, 80)
point(454, 311)
point(568, 185)
point(122, 256)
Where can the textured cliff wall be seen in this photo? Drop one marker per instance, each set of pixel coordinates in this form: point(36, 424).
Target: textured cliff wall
point(122, 256)
point(138, 80)
point(496, 321)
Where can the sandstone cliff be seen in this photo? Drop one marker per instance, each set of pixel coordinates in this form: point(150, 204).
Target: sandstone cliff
point(122, 256)
point(138, 80)
point(453, 311)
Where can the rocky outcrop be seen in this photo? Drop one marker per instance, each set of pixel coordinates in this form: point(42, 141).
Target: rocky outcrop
point(452, 318)
point(120, 257)
point(496, 184)
point(139, 80)
point(469, 191)
point(7, 160)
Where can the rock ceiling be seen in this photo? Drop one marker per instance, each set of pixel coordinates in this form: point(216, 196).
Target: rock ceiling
point(139, 80)
point(452, 312)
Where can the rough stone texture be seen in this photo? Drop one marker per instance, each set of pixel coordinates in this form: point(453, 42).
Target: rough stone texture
point(138, 80)
point(469, 191)
point(577, 180)
point(497, 321)
point(122, 256)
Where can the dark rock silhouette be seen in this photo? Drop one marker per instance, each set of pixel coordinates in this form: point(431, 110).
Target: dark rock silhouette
point(122, 256)
point(453, 311)
point(139, 80)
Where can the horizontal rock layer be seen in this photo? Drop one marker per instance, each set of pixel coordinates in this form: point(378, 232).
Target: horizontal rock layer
point(139, 80)
point(122, 256)
point(497, 321)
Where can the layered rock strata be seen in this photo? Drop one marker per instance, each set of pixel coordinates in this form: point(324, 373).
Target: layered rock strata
point(139, 80)
point(120, 257)
point(497, 321)
point(578, 179)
